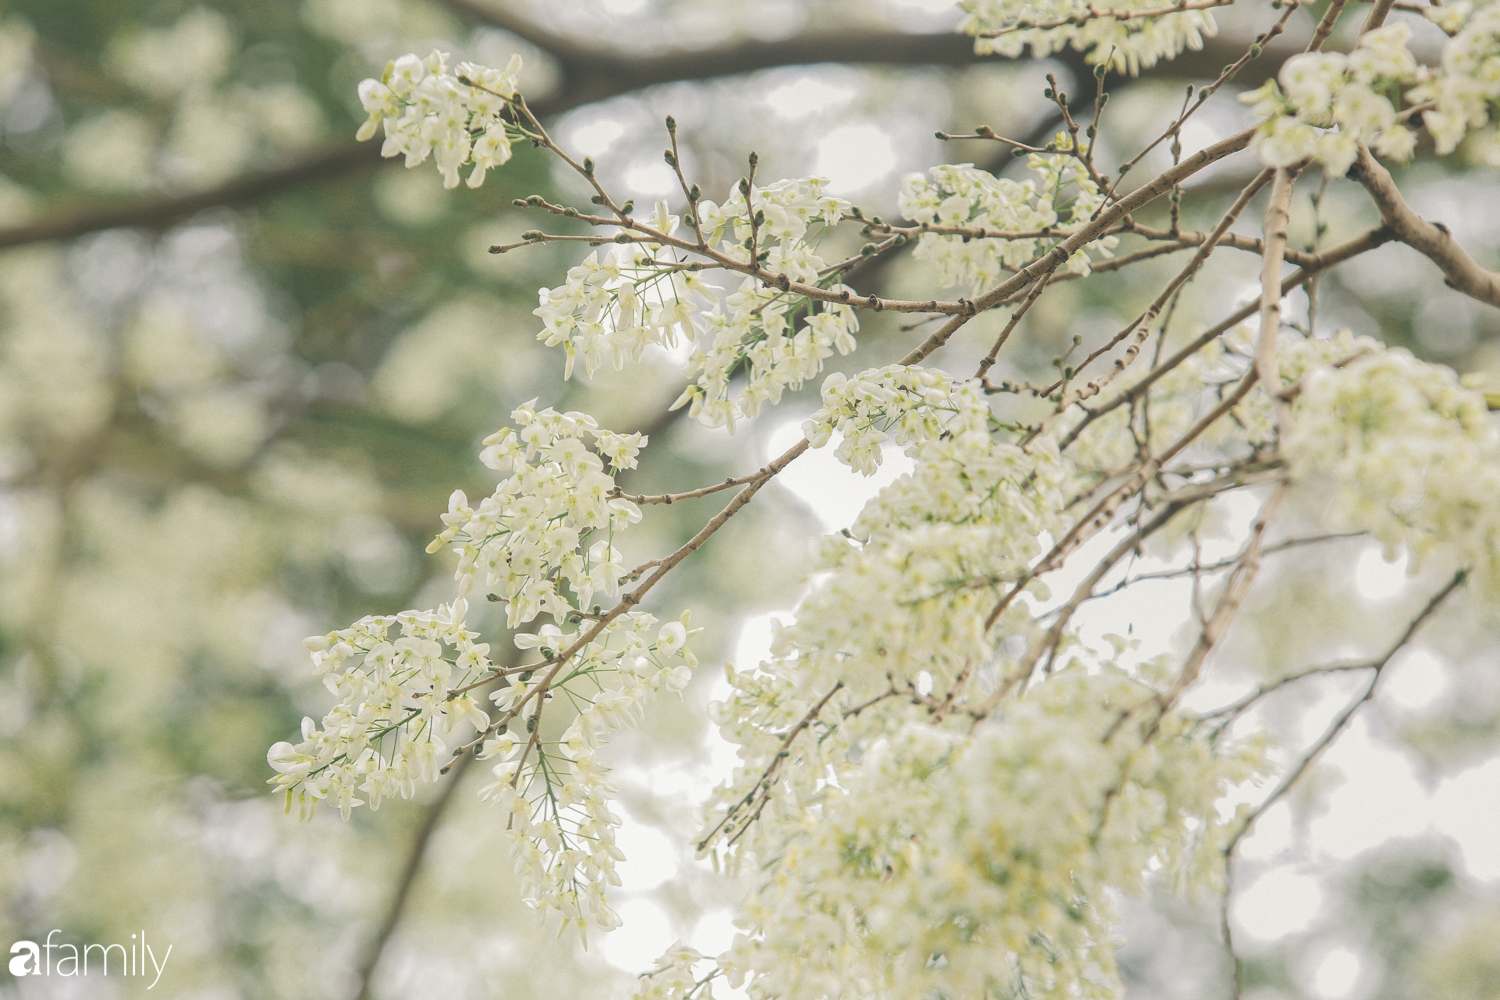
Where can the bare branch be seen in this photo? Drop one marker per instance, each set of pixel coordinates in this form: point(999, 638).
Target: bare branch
point(158, 212)
point(1325, 25)
point(1344, 717)
point(1277, 215)
point(1431, 239)
point(414, 855)
point(1366, 241)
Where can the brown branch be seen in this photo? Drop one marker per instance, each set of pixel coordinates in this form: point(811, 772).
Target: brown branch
point(1325, 25)
point(1377, 16)
point(161, 211)
point(591, 75)
point(1366, 241)
point(1244, 573)
point(1234, 241)
point(1277, 215)
point(1430, 239)
point(1347, 715)
point(414, 855)
point(1142, 324)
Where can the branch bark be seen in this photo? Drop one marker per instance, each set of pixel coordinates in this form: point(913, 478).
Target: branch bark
point(1430, 239)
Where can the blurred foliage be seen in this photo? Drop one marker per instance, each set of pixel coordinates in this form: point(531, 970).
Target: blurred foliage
point(222, 433)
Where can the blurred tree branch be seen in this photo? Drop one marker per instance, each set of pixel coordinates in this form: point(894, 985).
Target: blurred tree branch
point(408, 878)
point(590, 75)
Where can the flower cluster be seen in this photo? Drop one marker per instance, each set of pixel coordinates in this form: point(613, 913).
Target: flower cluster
point(672, 976)
point(394, 712)
point(911, 582)
point(756, 334)
point(400, 699)
point(1467, 83)
point(427, 110)
point(555, 793)
point(944, 862)
point(773, 339)
point(1316, 90)
point(959, 195)
point(912, 402)
point(1125, 44)
point(610, 309)
point(1412, 454)
point(534, 535)
point(642, 294)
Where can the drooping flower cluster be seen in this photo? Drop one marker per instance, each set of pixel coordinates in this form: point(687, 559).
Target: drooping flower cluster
point(1125, 44)
point(394, 713)
point(428, 110)
point(1412, 455)
point(534, 539)
point(555, 793)
point(914, 578)
point(1317, 90)
point(399, 700)
point(672, 976)
point(610, 309)
point(911, 402)
point(944, 862)
point(1467, 83)
point(757, 334)
point(961, 195)
point(775, 340)
point(642, 294)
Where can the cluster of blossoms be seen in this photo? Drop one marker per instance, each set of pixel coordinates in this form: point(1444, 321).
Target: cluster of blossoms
point(1467, 83)
point(1317, 90)
point(938, 845)
point(1358, 93)
point(611, 309)
point(394, 712)
point(1412, 454)
point(961, 196)
point(534, 536)
point(673, 977)
point(754, 332)
point(399, 700)
point(954, 863)
point(1126, 44)
point(911, 582)
point(428, 110)
point(555, 793)
point(913, 402)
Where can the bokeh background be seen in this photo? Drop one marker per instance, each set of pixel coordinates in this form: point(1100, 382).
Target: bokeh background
point(243, 362)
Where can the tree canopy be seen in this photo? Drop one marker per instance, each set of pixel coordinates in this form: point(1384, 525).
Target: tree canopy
point(923, 375)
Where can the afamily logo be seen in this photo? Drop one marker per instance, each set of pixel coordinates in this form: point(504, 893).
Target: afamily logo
point(31, 959)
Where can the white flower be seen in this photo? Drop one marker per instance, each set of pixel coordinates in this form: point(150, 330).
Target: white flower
point(427, 110)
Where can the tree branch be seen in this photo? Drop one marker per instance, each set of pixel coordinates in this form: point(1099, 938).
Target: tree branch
point(409, 872)
point(593, 73)
point(154, 213)
point(1344, 717)
point(1431, 239)
point(590, 75)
